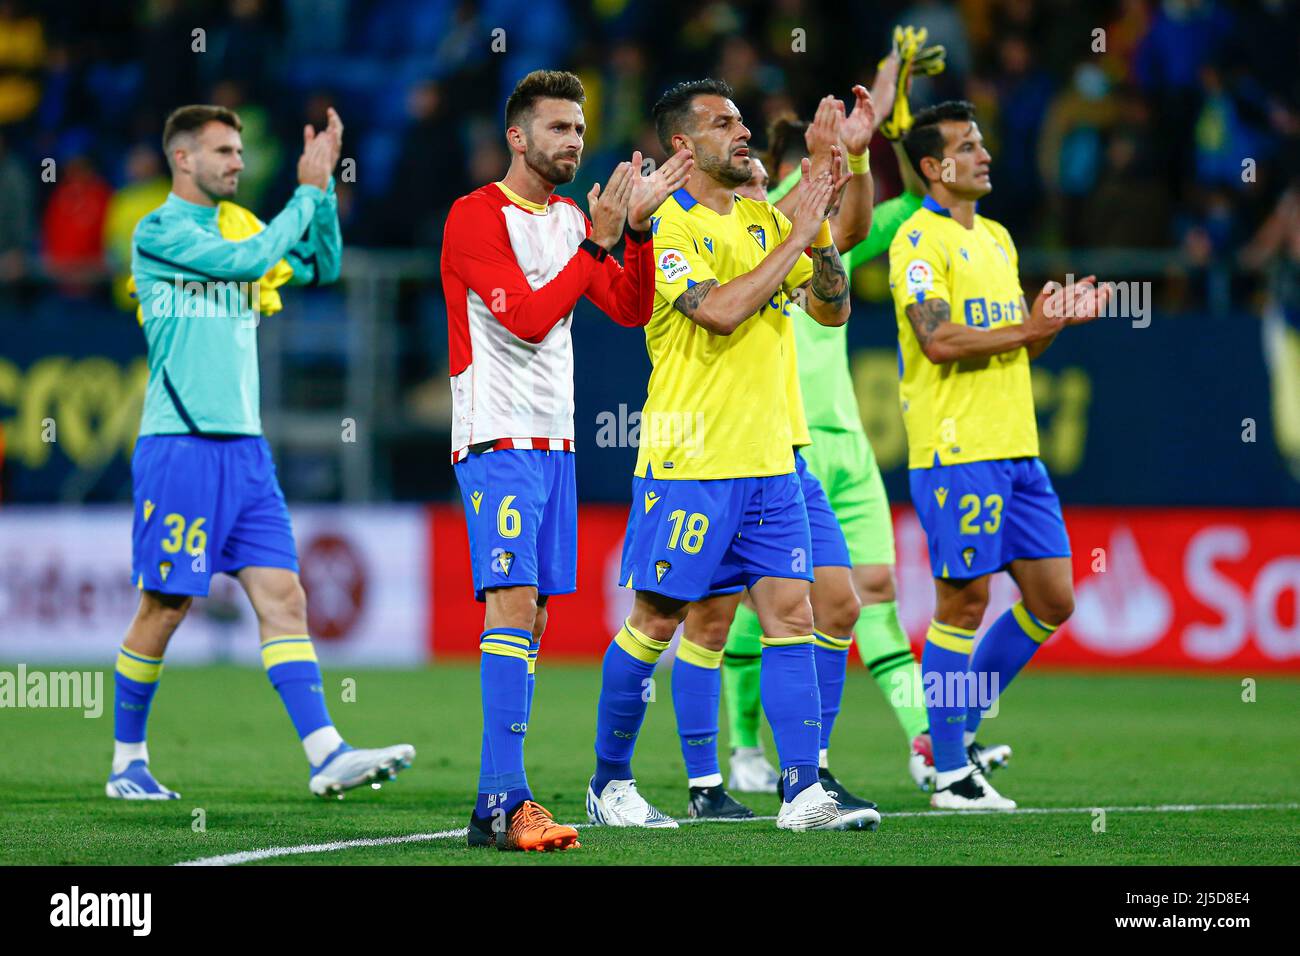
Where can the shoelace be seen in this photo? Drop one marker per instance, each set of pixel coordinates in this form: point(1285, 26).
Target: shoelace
point(534, 814)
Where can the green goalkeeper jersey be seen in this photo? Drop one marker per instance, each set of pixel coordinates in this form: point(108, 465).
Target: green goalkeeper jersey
point(829, 399)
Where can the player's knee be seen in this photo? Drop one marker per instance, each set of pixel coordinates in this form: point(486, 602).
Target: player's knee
point(1054, 607)
point(164, 611)
point(710, 633)
point(838, 618)
point(875, 584)
point(964, 609)
point(791, 620)
point(539, 623)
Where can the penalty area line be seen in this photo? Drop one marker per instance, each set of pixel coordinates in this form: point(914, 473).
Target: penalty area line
point(268, 853)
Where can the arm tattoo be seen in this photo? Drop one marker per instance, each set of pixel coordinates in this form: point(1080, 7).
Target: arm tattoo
point(689, 301)
point(830, 282)
point(926, 317)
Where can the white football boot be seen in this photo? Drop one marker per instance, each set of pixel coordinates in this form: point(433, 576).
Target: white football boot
point(620, 805)
point(970, 791)
point(347, 768)
point(921, 763)
point(814, 809)
point(750, 771)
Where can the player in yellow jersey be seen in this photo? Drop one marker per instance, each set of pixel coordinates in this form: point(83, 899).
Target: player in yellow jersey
point(716, 503)
point(966, 337)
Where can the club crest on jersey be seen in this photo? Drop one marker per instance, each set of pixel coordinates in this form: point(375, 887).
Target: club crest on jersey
point(476, 499)
point(760, 236)
point(673, 264)
point(502, 561)
point(914, 237)
point(651, 499)
point(708, 244)
point(920, 278)
point(968, 555)
point(661, 568)
point(941, 495)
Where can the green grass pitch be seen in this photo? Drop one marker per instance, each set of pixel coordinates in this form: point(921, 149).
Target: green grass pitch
point(219, 737)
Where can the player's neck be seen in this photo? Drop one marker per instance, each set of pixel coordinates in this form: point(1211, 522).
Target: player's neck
point(184, 188)
point(521, 180)
point(707, 191)
point(961, 210)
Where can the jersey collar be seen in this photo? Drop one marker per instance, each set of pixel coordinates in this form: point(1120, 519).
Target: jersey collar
point(930, 203)
point(685, 199)
point(192, 209)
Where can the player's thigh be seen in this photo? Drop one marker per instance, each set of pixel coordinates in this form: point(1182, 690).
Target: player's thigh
point(961, 508)
point(261, 534)
point(557, 535)
point(679, 535)
point(1046, 587)
point(183, 506)
point(1034, 525)
point(505, 497)
point(708, 621)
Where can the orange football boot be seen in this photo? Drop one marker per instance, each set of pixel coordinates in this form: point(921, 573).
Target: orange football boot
point(533, 828)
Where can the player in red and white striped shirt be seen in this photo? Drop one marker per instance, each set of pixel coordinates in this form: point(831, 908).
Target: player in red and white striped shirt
point(515, 260)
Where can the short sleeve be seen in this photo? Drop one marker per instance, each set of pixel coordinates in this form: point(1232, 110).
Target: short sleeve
point(679, 264)
point(918, 267)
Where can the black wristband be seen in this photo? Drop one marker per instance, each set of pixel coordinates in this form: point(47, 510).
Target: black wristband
point(594, 249)
point(635, 235)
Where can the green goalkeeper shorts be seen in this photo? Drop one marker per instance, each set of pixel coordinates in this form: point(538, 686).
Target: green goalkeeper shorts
point(846, 466)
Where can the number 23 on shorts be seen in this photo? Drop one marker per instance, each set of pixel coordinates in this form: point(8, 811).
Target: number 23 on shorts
point(971, 510)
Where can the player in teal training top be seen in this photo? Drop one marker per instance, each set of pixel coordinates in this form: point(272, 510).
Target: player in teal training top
point(205, 492)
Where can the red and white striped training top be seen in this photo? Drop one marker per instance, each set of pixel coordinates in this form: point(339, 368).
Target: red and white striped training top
point(512, 271)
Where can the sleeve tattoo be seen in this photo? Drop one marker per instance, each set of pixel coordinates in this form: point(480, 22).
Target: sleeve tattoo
point(829, 282)
point(689, 301)
point(926, 317)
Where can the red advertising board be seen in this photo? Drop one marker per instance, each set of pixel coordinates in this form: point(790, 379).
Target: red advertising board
point(1155, 588)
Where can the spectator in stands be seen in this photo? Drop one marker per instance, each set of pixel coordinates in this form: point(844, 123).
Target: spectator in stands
point(16, 216)
point(146, 189)
point(22, 56)
point(73, 226)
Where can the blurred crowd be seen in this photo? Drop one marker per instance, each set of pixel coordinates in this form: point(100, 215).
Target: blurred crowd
point(1120, 123)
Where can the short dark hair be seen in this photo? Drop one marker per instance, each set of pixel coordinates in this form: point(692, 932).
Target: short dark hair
point(925, 138)
point(785, 141)
point(191, 119)
point(541, 85)
point(674, 107)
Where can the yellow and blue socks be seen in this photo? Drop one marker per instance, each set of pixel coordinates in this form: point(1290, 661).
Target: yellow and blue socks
point(292, 668)
point(697, 685)
point(887, 655)
point(741, 668)
point(945, 663)
point(624, 692)
point(788, 688)
point(831, 658)
point(1002, 653)
point(505, 682)
point(136, 681)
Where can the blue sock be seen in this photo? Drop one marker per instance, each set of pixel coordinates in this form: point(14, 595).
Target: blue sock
point(1003, 652)
point(624, 692)
point(945, 662)
point(503, 683)
point(136, 680)
point(788, 689)
point(831, 655)
point(697, 692)
point(290, 662)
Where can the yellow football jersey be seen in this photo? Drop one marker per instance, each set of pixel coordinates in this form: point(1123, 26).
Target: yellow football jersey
point(974, 409)
point(717, 406)
point(236, 222)
point(799, 433)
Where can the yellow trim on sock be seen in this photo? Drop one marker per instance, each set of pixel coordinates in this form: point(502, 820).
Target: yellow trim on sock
point(502, 650)
point(287, 649)
point(1036, 630)
point(822, 639)
point(786, 641)
point(955, 639)
point(515, 639)
point(641, 646)
point(146, 671)
point(693, 653)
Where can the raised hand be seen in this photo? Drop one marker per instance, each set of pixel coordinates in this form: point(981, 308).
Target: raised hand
point(823, 133)
point(814, 204)
point(1047, 315)
point(1089, 300)
point(608, 209)
point(885, 86)
point(317, 159)
point(840, 177)
point(649, 192)
point(858, 126)
point(334, 130)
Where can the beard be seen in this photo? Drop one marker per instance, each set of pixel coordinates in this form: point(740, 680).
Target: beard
point(548, 167)
point(216, 187)
point(722, 169)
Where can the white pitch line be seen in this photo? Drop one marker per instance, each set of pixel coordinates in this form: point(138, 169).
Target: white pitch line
point(250, 856)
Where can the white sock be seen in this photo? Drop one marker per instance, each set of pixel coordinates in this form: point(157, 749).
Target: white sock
point(967, 738)
point(945, 777)
point(822, 758)
point(712, 780)
point(320, 743)
point(124, 753)
point(747, 751)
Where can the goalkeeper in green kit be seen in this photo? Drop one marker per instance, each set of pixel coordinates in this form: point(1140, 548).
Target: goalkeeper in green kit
point(840, 454)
